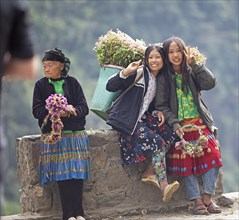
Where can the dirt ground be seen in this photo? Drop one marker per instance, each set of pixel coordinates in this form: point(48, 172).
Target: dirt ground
point(229, 211)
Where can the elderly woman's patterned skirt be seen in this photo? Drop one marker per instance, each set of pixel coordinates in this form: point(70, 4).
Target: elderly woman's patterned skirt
point(69, 158)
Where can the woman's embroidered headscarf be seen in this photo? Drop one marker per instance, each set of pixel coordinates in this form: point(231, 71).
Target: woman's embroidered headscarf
point(57, 55)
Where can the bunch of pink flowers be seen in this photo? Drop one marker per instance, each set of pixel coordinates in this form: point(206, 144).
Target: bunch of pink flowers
point(55, 104)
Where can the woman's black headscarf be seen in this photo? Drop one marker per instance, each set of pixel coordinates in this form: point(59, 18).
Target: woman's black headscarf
point(57, 55)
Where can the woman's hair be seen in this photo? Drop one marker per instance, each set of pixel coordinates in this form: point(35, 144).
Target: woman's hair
point(148, 50)
point(185, 69)
point(57, 55)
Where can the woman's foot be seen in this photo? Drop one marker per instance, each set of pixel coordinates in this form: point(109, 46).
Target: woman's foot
point(210, 204)
point(149, 176)
point(213, 208)
point(170, 190)
point(149, 171)
point(199, 209)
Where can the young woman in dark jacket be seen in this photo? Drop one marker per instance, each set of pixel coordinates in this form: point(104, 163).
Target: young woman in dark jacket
point(141, 133)
point(64, 156)
point(179, 98)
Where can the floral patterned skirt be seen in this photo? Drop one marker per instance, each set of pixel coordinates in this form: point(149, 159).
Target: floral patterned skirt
point(146, 140)
point(69, 158)
point(184, 163)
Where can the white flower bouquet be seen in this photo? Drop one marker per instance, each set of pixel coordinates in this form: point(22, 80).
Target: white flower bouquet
point(119, 49)
point(199, 57)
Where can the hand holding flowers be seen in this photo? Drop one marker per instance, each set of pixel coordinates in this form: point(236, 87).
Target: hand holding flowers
point(193, 55)
point(69, 110)
point(57, 107)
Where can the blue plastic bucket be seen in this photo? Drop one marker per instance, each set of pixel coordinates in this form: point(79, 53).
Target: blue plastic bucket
point(102, 99)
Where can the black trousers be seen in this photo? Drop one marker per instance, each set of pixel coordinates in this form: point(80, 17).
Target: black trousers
point(71, 193)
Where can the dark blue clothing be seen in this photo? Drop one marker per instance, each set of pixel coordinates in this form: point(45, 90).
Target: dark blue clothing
point(125, 112)
point(140, 138)
point(147, 140)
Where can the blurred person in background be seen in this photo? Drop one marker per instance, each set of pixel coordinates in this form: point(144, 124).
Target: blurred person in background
point(17, 54)
point(18, 59)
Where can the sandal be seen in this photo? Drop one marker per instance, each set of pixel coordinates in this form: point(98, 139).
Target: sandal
point(199, 209)
point(170, 189)
point(213, 208)
point(152, 179)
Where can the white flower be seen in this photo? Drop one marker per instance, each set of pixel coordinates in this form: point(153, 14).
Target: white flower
point(118, 48)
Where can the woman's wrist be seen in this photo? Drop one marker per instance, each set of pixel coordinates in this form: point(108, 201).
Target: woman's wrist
point(155, 113)
point(122, 75)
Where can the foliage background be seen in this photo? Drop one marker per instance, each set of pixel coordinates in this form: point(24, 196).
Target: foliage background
point(75, 25)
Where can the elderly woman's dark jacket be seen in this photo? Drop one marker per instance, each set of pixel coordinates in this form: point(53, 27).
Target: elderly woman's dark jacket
point(75, 97)
point(199, 79)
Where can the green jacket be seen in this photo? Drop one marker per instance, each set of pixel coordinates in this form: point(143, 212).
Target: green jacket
point(200, 79)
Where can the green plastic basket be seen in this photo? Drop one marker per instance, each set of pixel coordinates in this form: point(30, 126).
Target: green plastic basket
point(102, 99)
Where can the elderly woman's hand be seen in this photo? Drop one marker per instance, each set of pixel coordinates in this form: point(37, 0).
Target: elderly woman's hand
point(70, 110)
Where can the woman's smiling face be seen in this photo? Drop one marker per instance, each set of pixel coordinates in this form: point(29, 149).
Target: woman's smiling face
point(175, 55)
point(155, 62)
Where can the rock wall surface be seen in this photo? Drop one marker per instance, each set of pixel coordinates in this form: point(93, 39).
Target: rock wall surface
point(111, 191)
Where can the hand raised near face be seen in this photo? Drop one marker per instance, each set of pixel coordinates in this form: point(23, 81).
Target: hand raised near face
point(190, 57)
point(132, 67)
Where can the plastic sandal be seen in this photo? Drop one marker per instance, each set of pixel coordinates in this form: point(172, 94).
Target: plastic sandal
point(199, 209)
point(170, 189)
point(152, 179)
point(213, 208)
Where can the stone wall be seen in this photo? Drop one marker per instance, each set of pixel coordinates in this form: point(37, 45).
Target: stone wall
point(110, 192)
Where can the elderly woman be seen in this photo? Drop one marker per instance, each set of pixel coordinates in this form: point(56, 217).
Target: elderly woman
point(64, 157)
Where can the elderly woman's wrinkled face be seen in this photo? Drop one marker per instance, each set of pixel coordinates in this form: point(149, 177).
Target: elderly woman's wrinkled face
point(52, 69)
